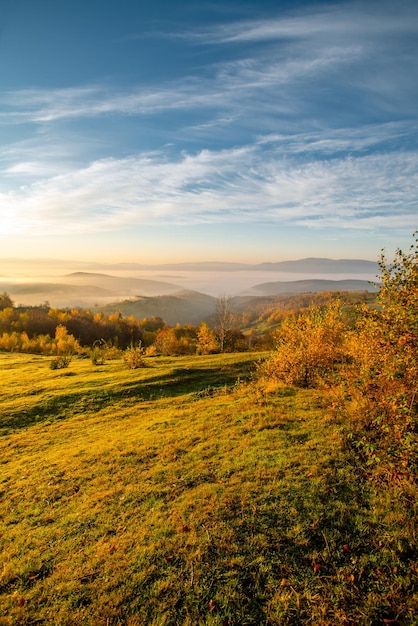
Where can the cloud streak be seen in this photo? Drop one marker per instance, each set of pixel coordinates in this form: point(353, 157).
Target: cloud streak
point(233, 186)
point(333, 22)
point(344, 45)
point(233, 86)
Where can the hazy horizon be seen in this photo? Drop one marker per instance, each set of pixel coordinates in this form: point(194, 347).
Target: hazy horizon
point(239, 132)
point(69, 284)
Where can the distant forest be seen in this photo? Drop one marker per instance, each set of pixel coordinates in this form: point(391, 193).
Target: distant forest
point(237, 324)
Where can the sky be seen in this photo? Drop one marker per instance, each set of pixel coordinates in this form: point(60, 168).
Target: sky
point(210, 130)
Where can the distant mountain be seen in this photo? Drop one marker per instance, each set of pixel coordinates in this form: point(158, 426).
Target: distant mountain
point(309, 286)
point(309, 266)
point(84, 289)
point(122, 286)
point(193, 266)
point(301, 266)
point(322, 266)
point(32, 293)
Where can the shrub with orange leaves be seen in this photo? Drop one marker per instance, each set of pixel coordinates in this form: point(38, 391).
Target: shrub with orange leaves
point(309, 347)
point(382, 381)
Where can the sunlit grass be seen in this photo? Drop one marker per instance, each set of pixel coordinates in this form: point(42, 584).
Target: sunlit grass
point(174, 494)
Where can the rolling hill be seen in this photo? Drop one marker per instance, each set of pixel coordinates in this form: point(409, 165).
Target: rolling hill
point(183, 307)
point(309, 286)
point(145, 298)
point(84, 289)
point(31, 286)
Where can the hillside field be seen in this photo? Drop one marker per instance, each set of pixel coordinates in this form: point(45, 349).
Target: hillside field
point(187, 493)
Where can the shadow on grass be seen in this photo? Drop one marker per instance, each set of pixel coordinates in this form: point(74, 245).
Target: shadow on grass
point(283, 553)
point(179, 381)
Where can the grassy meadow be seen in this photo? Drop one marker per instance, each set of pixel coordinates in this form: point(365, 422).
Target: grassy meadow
point(186, 493)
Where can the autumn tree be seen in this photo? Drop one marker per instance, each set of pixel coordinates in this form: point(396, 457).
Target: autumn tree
point(5, 301)
point(382, 381)
point(176, 341)
point(7, 318)
point(206, 340)
point(223, 319)
point(308, 347)
point(65, 343)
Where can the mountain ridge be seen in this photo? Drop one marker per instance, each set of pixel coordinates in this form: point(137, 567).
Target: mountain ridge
point(86, 290)
point(306, 265)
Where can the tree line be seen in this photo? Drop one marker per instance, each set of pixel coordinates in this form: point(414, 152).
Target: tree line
point(39, 330)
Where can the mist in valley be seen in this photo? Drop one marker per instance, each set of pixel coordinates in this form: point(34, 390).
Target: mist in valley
point(77, 284)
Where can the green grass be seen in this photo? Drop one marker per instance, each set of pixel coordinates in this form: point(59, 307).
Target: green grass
point(183, 494)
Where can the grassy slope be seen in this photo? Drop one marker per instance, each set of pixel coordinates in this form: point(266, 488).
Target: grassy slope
point(171, 495)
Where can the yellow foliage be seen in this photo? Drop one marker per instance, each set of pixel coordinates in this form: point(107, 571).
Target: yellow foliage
point(382, 381)
point(308, 347)
point(206, 340)
point(64, 343)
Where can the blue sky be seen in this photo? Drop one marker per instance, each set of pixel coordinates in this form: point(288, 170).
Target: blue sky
point(207, 130)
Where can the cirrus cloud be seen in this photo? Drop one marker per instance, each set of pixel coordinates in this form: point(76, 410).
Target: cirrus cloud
point(232, 186)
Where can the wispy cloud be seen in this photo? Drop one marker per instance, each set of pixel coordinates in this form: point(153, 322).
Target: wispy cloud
point(237, 87)
point(348, 45)
point(214, 187)
point(329, 142)
point(328, 22)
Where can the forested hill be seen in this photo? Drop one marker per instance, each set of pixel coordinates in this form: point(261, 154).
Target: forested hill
point(182, 307)
point(310, 286)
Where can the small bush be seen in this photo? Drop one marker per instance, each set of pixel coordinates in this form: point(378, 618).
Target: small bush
point(97, 356)
point(98, 351)
point(112, 352)
point(134, 357)
point(60, 362)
